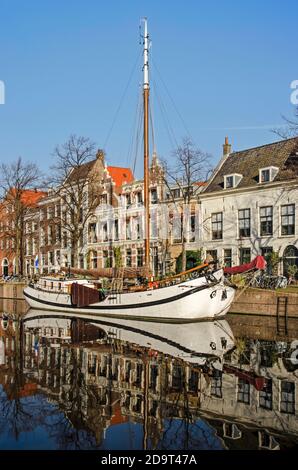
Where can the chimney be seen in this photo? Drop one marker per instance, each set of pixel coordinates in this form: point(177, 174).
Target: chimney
point(226, 147)
point(100, 155)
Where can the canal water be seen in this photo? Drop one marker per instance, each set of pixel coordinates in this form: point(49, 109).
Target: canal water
point(79, 382)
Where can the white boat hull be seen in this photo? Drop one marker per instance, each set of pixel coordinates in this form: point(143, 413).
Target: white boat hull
point(192, 300)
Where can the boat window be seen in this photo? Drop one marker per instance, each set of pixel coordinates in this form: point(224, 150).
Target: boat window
point(59, 285)
point(52, 285)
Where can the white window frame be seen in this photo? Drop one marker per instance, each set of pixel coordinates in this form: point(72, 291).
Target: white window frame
point(236, 180)
point(273, 170)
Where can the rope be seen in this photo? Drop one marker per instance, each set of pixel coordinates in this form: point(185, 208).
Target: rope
point(121, 100)
point(172, 101)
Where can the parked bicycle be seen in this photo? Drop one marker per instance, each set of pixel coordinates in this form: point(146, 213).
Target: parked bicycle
point(264, 281)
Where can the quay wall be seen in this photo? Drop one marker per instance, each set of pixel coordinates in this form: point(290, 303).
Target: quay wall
point(265, 302)
point(12, 298)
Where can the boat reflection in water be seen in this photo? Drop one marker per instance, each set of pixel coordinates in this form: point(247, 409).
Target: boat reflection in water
point(199, 343)
point(88, 383)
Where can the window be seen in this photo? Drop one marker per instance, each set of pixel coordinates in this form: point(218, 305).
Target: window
point(232, 181)
point(51, 257)
point(177, 228)
point(81, 261)
point(105, 260)
point(267, 351)
point(140, 257)
point(244, 255)
point(266, 221)
point(193, 381)
point(229, 182)
point(116, 230)
point(128, 258)
point(128, 229)
point(266, 251)
point(64, 240)
point(265, 395)
point(216, 384)
point(287, 399)
point(176, 193)
point(105, 232)
point(92, 233)
point(104, 199)
point(58, 233)
point(243, 395)
point(153, 376)
point(290, 258)
point(93, 259)
point(216, 223)
point(128, 200)
point(265, 176)
point(154, 196)
point(228, 258)
point(231, 431)
point(138, 229)
point(192, 234)
point(244, 223)
point(212, 253)
point(81, 215)
point(267, 442)
point(139, 198)
point(177, 377)
point(288, 219)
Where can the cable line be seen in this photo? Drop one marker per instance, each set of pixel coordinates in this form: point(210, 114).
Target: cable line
point(121, 100)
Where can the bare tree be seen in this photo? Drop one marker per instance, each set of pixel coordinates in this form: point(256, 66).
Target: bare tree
point(76, 177)
point(15, 179)
point(290, 129)
point(190, 166)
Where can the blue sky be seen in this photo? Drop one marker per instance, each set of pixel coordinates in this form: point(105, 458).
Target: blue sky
point(227, 65)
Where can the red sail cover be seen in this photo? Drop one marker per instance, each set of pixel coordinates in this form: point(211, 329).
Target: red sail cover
point(258, 263)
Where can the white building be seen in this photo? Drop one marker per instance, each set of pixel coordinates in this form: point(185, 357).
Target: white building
point(250, 205)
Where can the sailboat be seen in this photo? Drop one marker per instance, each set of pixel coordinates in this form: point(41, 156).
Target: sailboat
point(196, 295)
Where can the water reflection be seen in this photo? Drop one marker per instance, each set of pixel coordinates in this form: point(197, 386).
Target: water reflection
point(83, 383)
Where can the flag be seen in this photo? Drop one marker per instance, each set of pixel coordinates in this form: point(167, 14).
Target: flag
point(36, 261)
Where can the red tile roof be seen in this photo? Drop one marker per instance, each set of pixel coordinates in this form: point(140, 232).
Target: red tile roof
point(120, 175)
point(31, 197)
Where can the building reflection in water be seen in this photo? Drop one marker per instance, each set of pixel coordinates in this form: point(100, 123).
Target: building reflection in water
point(90, 383)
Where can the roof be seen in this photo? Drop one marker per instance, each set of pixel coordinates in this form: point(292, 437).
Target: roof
point(120, 175)
point(31, 197)
point(283, 154)
point(80, 172)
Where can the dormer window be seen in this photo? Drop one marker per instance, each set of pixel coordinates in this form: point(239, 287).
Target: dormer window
point(229, 182)
point(232, 181)
point(267, 174)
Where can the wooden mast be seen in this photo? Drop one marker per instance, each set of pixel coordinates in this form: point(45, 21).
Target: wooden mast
point(146, 146)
